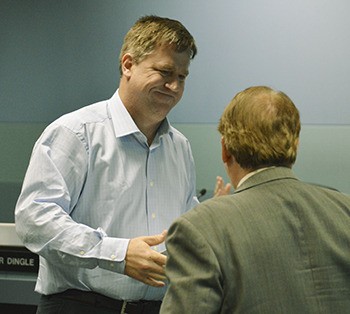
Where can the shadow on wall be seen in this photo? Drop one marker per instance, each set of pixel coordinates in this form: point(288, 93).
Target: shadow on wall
point(9, 192)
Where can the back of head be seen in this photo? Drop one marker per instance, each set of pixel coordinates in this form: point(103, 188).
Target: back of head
point(151, 31)
point(260, 128)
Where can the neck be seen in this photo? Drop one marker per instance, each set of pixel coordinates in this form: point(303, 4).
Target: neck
point(236, 173)
point(149, 130)
point(144, 122)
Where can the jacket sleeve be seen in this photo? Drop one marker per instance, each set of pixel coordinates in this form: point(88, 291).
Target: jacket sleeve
point(195, 283)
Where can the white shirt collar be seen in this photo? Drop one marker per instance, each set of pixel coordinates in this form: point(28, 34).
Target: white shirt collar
point(250, 174)
point(122, 121)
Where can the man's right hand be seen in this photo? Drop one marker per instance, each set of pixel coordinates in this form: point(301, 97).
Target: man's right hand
point(220, 187)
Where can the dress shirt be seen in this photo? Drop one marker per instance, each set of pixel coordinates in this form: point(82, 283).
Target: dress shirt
point(93, 183)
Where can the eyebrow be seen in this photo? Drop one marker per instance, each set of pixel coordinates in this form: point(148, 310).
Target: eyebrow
point(169, 67)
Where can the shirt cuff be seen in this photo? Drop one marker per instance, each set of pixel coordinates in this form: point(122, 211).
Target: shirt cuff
point(113, 252)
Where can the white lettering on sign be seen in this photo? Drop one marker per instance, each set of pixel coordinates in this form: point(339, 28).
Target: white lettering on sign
point(20, 261)
point(1, 260)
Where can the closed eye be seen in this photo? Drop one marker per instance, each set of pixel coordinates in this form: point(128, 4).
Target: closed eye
point(182, 78)
point(165, 73)
point(169, 73)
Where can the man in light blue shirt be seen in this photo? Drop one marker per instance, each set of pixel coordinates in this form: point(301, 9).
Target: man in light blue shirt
point(105, 181)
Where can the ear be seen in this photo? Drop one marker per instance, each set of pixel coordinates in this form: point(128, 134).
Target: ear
point(225, 154)
point(126, 64)
point(297, 142)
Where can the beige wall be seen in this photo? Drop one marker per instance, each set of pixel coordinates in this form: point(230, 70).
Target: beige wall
point(324, 157)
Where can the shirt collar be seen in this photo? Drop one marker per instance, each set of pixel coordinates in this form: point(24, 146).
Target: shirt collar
point(124, 124)
point(250, 174)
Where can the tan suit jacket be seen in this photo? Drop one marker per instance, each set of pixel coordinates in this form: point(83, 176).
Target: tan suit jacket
point(277, 245)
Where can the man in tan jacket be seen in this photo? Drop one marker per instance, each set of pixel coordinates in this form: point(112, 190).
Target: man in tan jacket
point(277, 245)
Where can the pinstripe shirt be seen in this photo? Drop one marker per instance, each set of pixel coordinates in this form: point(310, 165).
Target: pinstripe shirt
point(93, 183)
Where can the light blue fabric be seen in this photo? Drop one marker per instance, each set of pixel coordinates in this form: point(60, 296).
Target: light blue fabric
point(91, 185)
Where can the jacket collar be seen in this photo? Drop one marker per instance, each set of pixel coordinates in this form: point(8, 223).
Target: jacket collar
point(268, 175)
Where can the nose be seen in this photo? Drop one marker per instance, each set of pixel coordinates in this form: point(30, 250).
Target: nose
point(174, 84)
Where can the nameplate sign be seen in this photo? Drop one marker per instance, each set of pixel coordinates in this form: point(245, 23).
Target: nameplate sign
point(18, 259)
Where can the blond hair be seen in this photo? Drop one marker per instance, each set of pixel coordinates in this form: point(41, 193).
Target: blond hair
point(151, 31)
point(260, 128)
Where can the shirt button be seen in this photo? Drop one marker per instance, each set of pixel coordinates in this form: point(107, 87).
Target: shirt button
point(151, 183)
point(82, 252)
point(113, 257)
point(153, 215)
